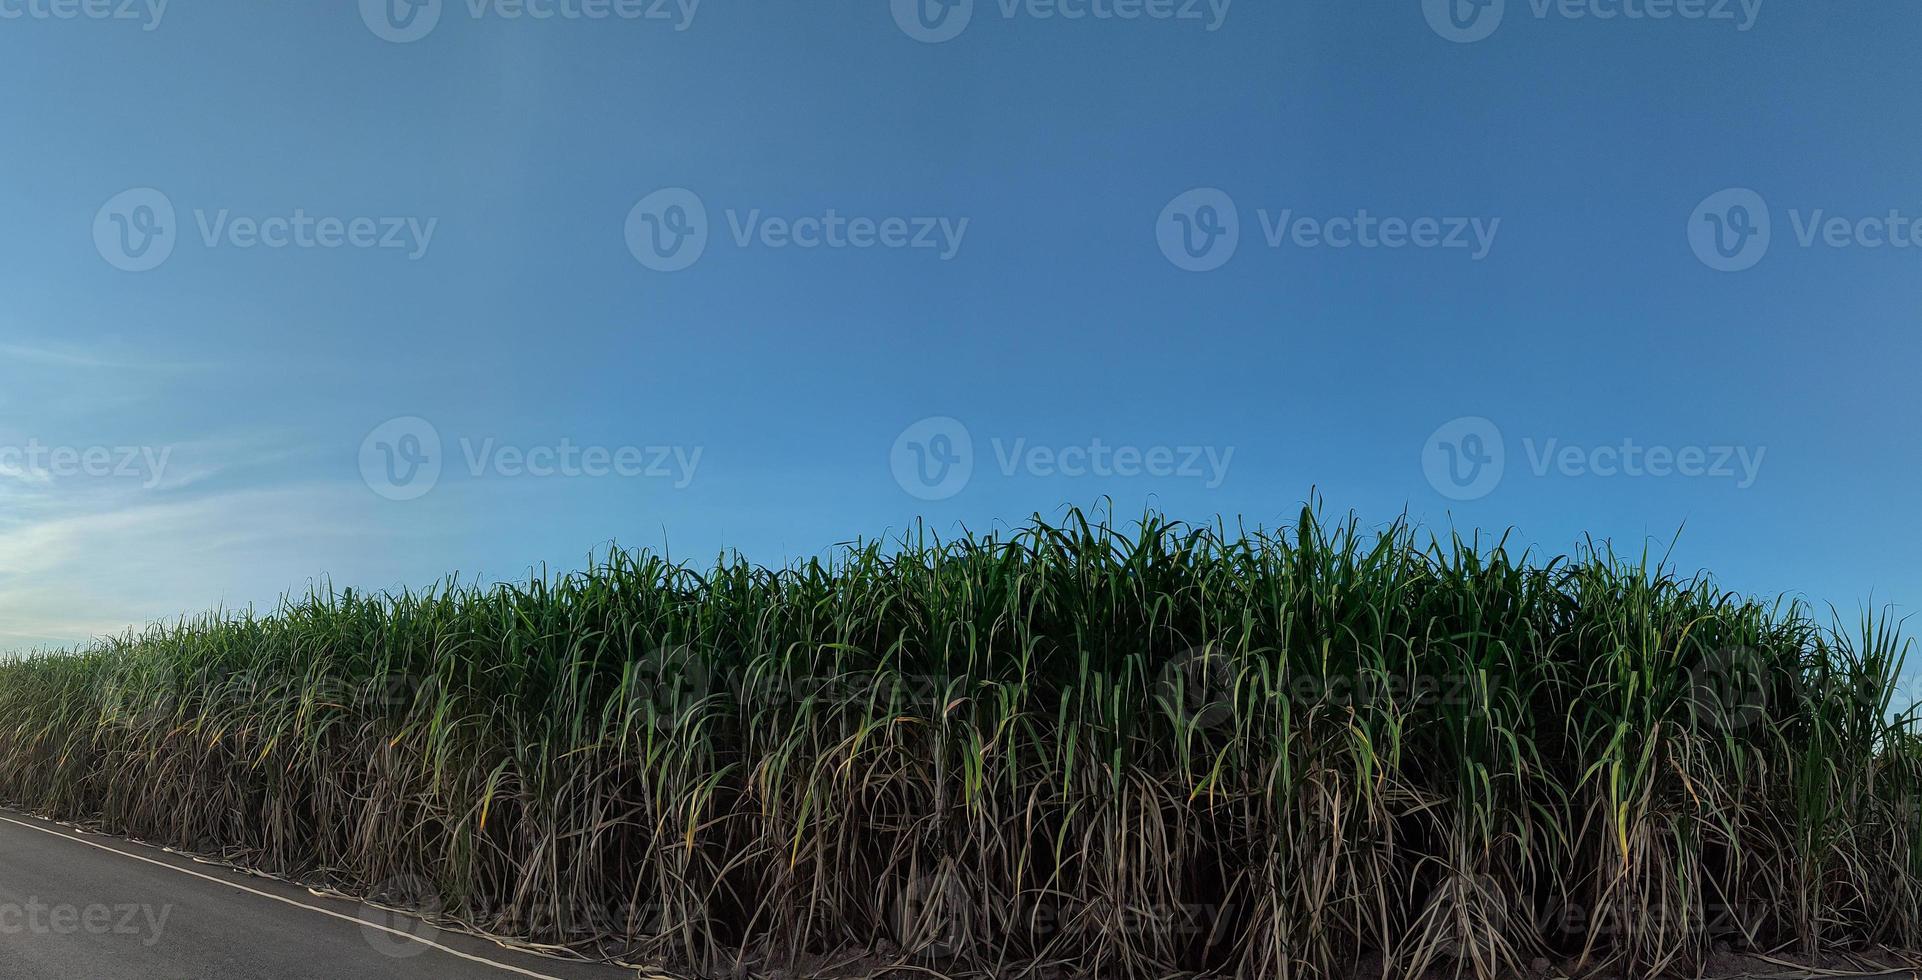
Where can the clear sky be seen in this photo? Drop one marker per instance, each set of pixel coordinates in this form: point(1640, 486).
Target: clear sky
point(771, 275)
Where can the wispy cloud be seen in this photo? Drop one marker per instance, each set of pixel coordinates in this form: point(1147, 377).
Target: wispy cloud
point(91, 359)
point(222, 520)
point(69, 578)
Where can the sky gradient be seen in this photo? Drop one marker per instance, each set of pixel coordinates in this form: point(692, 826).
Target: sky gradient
point(389, 292)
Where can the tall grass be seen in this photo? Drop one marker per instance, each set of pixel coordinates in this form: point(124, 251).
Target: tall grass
point(1143, 750)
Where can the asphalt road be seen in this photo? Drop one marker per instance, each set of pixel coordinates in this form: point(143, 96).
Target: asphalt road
point(74, 906)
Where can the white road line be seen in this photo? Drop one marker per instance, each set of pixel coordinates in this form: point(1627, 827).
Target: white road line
point(288, 901)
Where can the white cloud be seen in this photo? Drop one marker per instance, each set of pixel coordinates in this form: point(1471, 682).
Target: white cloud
point(66, 579)
point(173, 525)
point(74, 357)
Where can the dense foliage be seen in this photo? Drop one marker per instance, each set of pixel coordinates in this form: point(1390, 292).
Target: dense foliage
point(1121, 751)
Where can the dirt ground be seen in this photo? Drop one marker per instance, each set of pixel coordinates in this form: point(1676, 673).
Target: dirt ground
point(1866, 965)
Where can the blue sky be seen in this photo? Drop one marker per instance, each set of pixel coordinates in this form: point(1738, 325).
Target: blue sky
point(769, 276)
